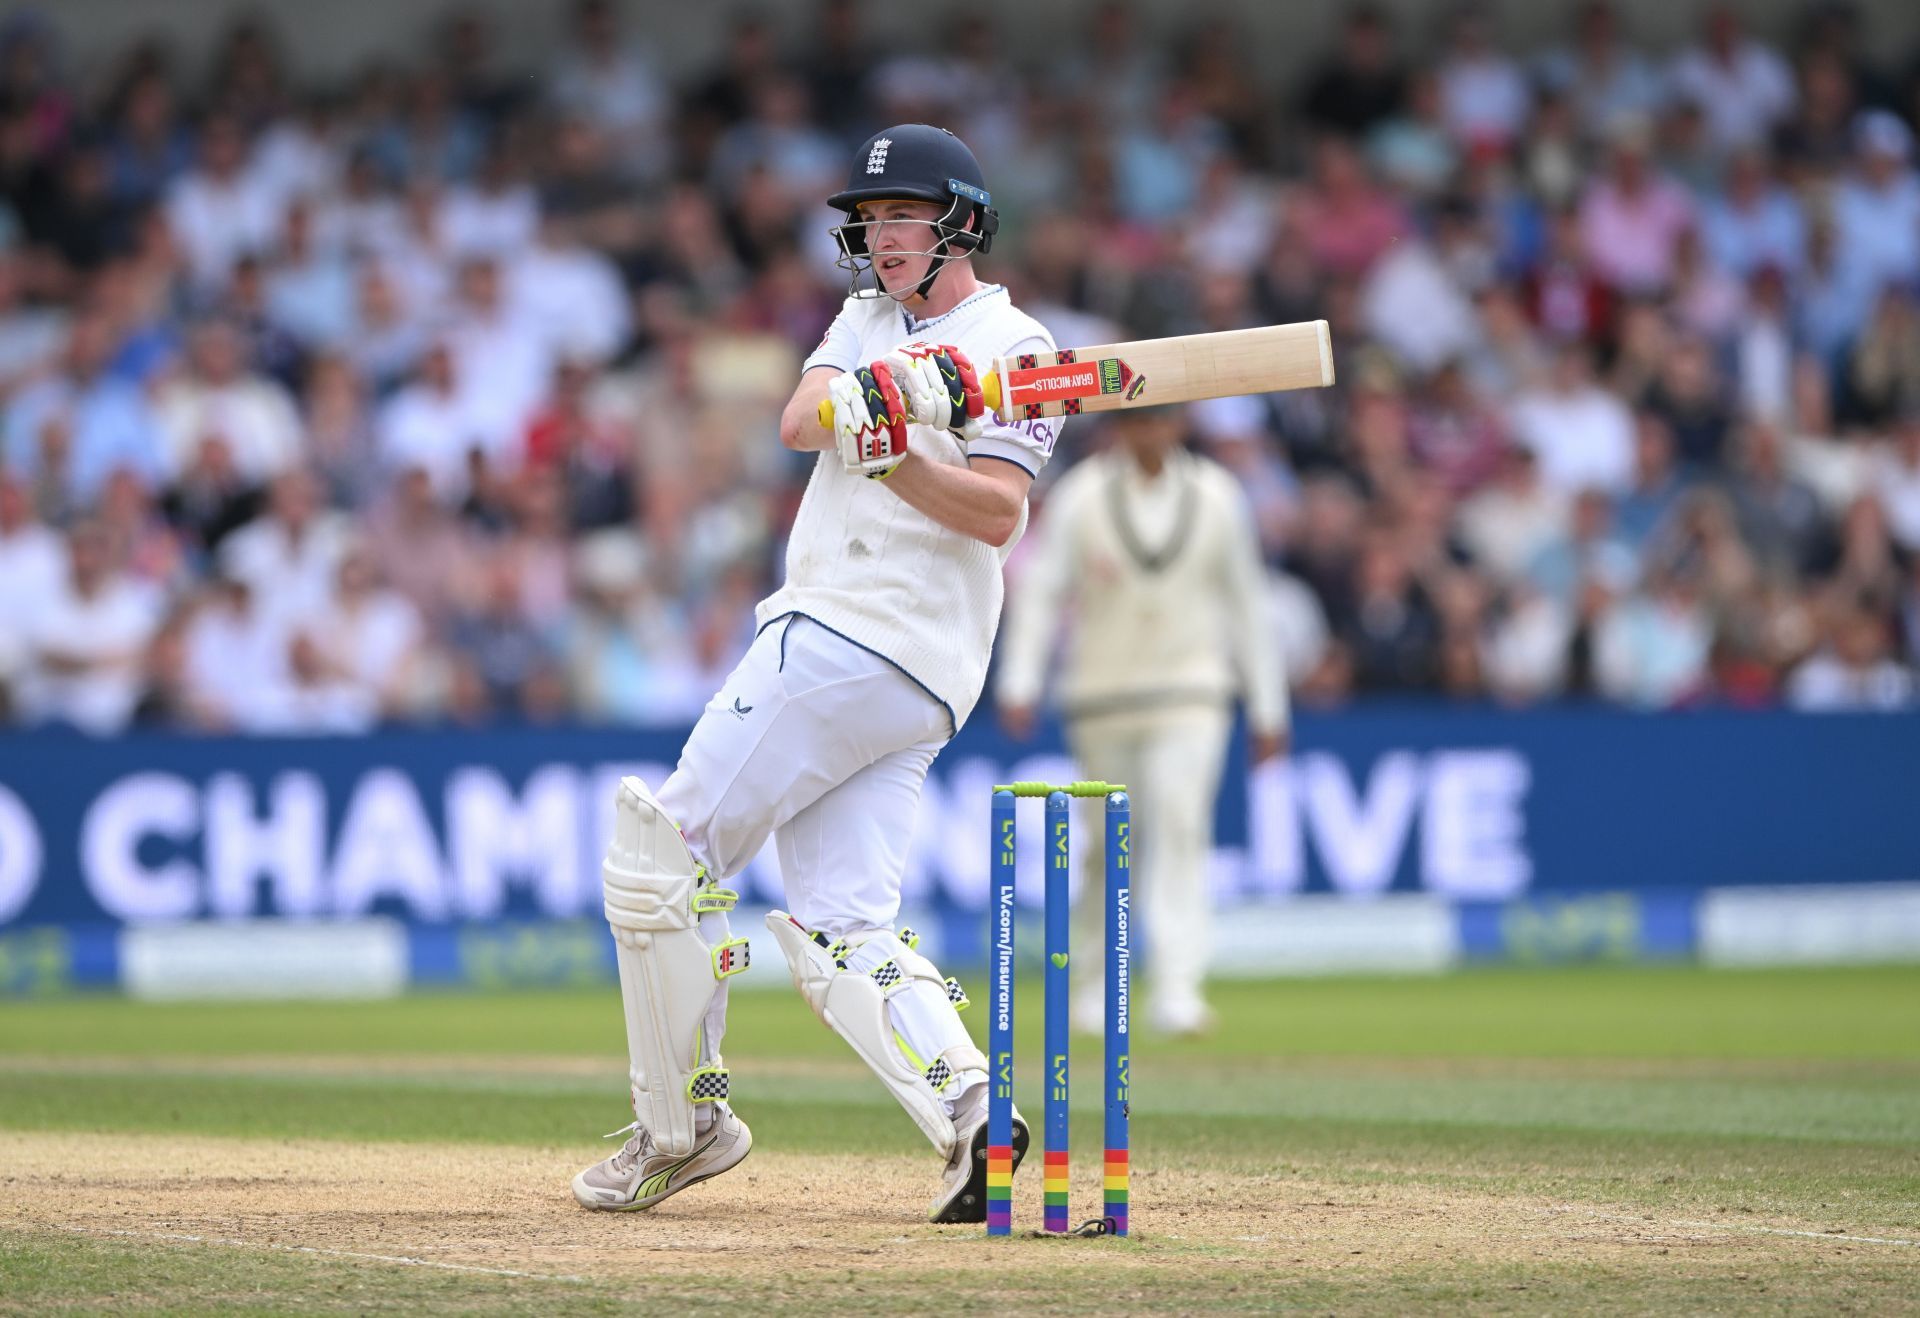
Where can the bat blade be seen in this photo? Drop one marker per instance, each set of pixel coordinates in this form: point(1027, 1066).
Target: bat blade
point(1156, 372)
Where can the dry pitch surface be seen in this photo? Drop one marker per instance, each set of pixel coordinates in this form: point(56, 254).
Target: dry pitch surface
point(797, 1226)
point(1366, 1182)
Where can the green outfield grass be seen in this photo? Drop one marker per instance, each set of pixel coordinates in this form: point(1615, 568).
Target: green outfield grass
point(1735, 1107)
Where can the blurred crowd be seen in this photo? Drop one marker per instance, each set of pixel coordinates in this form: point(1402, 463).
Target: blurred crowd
point(450, 392)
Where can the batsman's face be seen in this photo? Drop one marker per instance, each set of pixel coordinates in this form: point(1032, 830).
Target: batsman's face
point(899, 239)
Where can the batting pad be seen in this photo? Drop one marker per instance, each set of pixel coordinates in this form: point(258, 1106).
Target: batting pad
point(671, 975)
point(858, 986)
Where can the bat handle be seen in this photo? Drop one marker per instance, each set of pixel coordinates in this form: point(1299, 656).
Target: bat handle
point(989, 394)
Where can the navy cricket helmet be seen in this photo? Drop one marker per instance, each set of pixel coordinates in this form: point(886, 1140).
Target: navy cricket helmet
point(917, 162)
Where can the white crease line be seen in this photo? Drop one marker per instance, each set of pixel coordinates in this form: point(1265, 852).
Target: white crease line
point(1743, 1226)
point(1810, 1235)
point(317, 1249)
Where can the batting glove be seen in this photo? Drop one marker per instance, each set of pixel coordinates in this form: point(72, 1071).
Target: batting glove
point(940, 389)
point(869, 420)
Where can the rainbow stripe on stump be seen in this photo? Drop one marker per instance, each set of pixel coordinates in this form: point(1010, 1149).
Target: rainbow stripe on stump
point(999, 1189)
point(1054, 1218)
point(1116, 1191)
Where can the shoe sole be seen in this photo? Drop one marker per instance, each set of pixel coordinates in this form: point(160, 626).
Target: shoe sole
point(744, 1146)
point(970, 1203)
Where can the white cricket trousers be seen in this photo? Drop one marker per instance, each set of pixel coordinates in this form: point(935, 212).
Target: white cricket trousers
point(825, 746)
point(1170, 760)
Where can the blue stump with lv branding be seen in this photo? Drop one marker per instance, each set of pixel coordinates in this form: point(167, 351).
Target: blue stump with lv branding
point(1056, 1038)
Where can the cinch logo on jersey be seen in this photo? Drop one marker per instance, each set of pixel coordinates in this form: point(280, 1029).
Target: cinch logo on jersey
point(877, 156)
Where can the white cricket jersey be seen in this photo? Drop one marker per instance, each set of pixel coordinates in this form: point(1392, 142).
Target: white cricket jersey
point(868, 565)
point(1164, 580)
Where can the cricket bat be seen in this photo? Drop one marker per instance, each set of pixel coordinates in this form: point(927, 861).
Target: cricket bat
point(1155, 372)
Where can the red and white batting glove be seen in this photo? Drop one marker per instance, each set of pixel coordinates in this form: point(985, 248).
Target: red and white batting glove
point(869, 420)
point(938, 384)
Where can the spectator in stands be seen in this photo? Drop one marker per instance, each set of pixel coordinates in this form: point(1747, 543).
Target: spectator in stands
point(1581, 433)
point(1876, 208)
point(1508, 357)
point(33, 562)
point(420, 547)
point(1854, 670)
point(503, 360)
point(387, 338)
point(1484, 97)
point(148, 147)
point(1513, 517)
point(496, 213)
point(1691, 398)
point(1862, 558)
point(372, 637)
point(1756, 221)
point(1345, 219)
point(1414, 150)
point(209, 499)
point(1527, 646)
point(218, 396)
point(1741, 85)
point(289, 554)
point(1361, 86)
point(1657, 485)
point(430, 426)
point(69, 431)
point(1391, 629)
point(1884, 373)
point(1705, 299)
point(566, 294)
point(167, 698)
point(1606, 80)
point(611, 82)
point(432, 140)
point(87, 642)
point(1633, 215)
point(1454, 433)
point(362, 219)
point(1833, 298)
point(1565, 294)
point(30, 335)
point(1412, 304)
point(140, 543)
point(235, 651)
point(1111, 71)
point(1763, 349)
point(513, 661)
point(220, 210)
point(1896, 478)
point(1779, 515)
point(1651, 649)
point(1588, 551)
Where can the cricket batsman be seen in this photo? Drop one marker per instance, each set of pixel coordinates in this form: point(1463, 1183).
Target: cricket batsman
point(867, 660)
point(1151, 549)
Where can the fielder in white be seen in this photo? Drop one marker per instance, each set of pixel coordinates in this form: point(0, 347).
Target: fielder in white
point(868, 659)
point(1152, 550)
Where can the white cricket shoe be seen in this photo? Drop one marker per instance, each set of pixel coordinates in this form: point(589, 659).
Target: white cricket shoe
point(640, 1176)
point(963, 1186)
